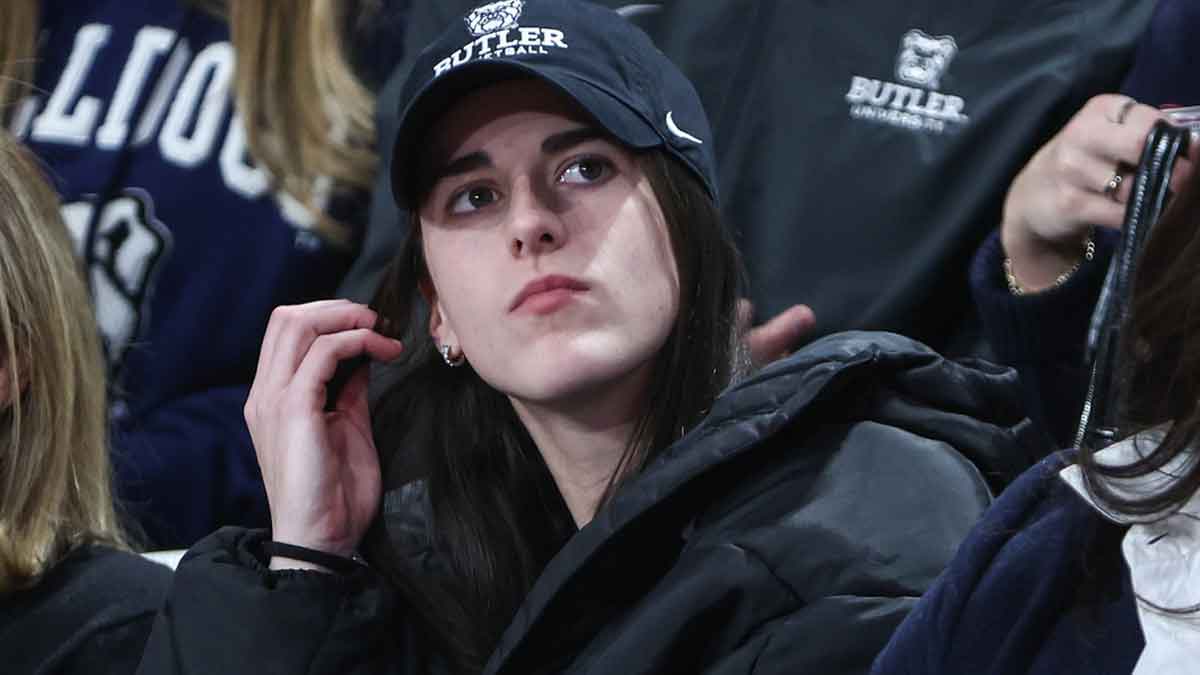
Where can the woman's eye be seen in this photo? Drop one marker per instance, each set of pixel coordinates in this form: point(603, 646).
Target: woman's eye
point(472, 199)
point(586, 170)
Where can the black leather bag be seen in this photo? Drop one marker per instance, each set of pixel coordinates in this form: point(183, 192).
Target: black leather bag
point(1098, 424)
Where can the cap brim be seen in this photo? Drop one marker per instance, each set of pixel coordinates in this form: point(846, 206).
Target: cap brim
point(614, 116)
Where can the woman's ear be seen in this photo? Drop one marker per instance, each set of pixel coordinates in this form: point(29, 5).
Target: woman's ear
point(439, 326)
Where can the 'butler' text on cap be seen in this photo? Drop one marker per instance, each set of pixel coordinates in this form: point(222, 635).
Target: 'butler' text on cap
point(509, 39)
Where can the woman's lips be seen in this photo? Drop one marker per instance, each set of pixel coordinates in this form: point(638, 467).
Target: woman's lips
point(547, 294)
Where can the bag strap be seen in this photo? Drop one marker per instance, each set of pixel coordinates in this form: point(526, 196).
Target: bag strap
point(1151, 190)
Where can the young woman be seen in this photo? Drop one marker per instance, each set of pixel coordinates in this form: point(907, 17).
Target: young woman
point(147, 115)
point(72, 598)
point(567, 472)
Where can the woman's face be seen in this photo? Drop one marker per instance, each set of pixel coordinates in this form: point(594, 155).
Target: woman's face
point(550, 262)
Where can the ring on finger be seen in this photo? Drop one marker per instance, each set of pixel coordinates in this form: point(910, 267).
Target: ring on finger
point(1123, 112)
point(1113, 185)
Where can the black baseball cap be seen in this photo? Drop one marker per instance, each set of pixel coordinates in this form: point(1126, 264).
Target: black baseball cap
point(590, 53)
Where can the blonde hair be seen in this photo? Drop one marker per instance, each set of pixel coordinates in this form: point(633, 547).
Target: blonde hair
point(316, 120)
point(18, 45)
point(55, 483)
point(309, 120)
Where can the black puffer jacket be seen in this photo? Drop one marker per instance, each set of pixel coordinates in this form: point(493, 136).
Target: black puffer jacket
point(90, 613)
point(790, 532)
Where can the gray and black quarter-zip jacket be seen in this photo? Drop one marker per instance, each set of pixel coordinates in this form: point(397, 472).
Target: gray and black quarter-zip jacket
point(789, 532)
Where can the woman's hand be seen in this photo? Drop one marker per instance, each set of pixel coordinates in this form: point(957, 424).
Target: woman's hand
point(776, 338)
point(1080, 178)
point(320, 468)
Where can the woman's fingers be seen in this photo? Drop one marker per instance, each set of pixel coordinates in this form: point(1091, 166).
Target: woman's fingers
point(1086, 171)
point(281, 318)
point(1123, 143)
point(354, 393)
point(324, 354)
point(292, 330)
point(1101, 210)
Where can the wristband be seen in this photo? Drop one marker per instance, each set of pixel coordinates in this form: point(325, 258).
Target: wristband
point(337, 563)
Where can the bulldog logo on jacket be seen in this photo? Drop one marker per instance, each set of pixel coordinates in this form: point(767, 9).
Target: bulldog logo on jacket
point(916, 105)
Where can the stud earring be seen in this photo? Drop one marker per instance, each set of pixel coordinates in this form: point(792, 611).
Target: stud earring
point(452, 361)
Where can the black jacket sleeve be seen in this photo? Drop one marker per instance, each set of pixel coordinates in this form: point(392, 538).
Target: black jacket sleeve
point(227, 613)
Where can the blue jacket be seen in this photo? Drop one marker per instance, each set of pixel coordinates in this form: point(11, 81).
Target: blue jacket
point(1039, 588)
point(187, 248)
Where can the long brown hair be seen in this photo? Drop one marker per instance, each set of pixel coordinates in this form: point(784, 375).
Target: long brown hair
point(55, 483)
point(1161, 371)
point(497, 515)
point(314, 123)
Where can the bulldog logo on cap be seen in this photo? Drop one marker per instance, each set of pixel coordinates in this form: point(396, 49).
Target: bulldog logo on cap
point(499, 35)
point(494, 17)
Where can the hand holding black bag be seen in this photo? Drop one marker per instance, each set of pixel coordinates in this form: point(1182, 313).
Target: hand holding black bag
point(1099, 422)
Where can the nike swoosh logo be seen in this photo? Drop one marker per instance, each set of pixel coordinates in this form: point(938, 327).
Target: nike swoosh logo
point(674, 128)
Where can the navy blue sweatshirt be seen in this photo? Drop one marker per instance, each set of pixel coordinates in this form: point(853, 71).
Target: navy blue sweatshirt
point(1038, 588)
point(187, 247)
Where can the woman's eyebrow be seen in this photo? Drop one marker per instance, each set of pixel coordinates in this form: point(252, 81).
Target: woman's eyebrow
point(465, 164)
point(555, 143)
point(563, 140)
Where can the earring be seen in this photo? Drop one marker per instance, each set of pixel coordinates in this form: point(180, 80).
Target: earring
point(452, 361)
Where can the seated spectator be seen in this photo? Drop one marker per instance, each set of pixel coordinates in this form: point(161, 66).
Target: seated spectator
point(73, 599)
point(569, 474)
point(864, 147)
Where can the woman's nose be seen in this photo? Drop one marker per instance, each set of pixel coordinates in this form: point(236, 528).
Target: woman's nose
point(535, 226)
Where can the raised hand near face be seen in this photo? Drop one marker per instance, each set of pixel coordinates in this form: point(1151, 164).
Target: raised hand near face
point(319, 466)
point(1080, 178)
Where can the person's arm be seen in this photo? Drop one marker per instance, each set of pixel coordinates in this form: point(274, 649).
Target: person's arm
point(234, 607)
point(228, 613)
point(1033, 283)
point(1043, 335)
